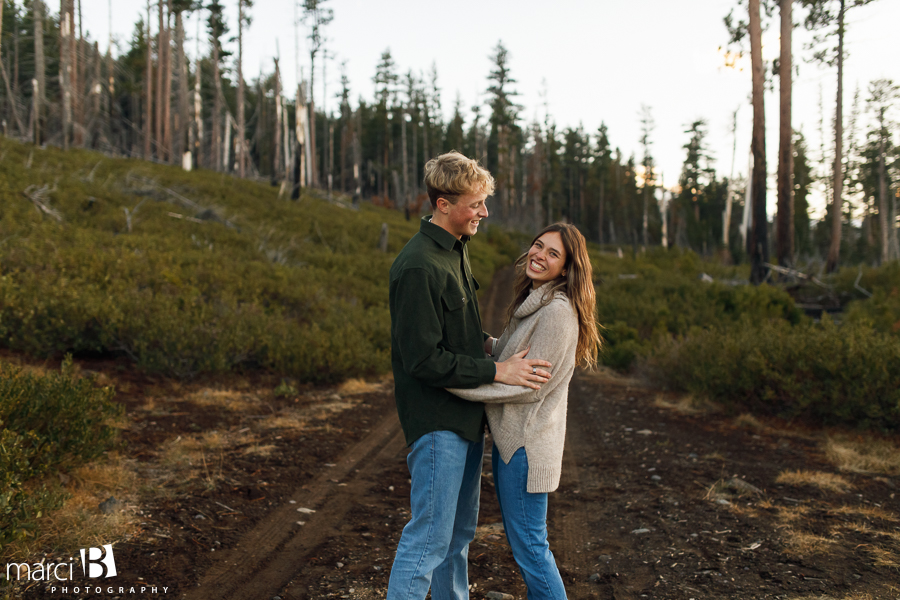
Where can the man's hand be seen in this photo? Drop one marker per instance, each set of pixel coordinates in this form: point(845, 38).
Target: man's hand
point(518, 370)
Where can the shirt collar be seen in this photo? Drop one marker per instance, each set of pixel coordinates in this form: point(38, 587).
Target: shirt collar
point(441, 236)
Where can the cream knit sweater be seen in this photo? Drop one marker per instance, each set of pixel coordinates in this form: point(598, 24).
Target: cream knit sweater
point(536, 419)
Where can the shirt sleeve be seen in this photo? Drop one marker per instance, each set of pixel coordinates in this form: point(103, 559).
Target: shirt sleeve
point(554, 336)
point(418, 331)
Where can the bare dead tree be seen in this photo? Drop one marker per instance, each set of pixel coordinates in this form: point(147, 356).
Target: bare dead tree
point(148, 92)
point(757, 241)
point(182, 119)
point(318, 18)
point(276, 161)
point(40, 79)
point(785, 219)
point(240, 90)
point(65, 67)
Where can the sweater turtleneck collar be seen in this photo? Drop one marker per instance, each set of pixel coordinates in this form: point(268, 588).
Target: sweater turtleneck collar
point(535, 300)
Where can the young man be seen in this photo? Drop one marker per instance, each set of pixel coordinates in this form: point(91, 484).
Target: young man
point(437, 342)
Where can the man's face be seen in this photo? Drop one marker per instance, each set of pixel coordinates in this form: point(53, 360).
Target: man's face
point(464, 216)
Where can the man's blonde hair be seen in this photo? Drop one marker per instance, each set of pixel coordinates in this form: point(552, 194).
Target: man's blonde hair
point(452, 175)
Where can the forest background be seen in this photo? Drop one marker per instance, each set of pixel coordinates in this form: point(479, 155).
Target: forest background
point(142, 96)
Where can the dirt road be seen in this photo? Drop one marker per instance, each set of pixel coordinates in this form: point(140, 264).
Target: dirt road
point(656, 501)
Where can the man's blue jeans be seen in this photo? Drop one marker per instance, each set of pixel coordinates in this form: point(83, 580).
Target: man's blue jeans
point(525, 522)
point(434, 547)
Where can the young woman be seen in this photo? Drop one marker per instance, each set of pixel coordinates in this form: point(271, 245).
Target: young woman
point(552, 317)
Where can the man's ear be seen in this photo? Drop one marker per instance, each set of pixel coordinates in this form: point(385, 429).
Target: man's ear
point(443, 204)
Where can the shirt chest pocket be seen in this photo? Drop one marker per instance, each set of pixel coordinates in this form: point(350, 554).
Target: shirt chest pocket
point(458, 329)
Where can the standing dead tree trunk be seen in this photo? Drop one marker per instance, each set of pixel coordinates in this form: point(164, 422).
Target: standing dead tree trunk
point(276, 161)
point(318, 17)
point(66, 49)
point(40, 69)
point(726, 219)
point(148, 92)
point(182, 121)
point(837, 205)
point(785, 223)
point(96, 95)
point(757, 241)
point(160, 67)
point(198, 117)
point(239, 142)
point(405, 163)
point(300, 135)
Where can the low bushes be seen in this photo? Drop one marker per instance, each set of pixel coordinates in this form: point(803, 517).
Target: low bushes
point(48, 423)
point(644, 301)
point(823, 372)
point(298, 288)
point(749, 347)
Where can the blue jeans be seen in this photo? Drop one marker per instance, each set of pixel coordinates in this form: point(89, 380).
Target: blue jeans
point(446, 482)
point(525, 522)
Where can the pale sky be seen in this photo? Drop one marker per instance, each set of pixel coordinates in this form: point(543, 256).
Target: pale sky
point(601, 60)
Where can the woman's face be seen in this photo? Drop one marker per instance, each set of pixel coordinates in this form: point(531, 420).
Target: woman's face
point(546, 259)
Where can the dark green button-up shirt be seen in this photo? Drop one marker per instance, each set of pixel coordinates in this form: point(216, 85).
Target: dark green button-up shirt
point(436, 336)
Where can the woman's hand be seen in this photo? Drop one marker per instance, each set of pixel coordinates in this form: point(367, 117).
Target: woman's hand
point(518, 370)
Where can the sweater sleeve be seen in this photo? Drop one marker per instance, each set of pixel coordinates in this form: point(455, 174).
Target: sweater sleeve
point(554, 336)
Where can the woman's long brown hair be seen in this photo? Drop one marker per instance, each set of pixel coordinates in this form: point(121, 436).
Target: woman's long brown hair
point(577, 284)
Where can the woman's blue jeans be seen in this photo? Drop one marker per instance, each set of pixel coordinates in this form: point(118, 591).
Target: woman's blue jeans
point(434, 547)
point(525, 522)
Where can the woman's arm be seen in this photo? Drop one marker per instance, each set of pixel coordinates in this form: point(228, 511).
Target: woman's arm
point(555, 333)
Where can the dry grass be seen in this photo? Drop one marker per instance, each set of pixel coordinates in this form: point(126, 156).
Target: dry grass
point(825, 481)
point(682, 404)
point(851, 596)
point(301, 419)
point(882, 556)
point(748, 421)
point(801, 543)
point(353, 387)
point(193, 458)
point(604, 374)
point(293, 420)
point(869, 512)
point(260, 449)
point(864, 455)
point(232, 400)
point(790, 514)
point(78, 523)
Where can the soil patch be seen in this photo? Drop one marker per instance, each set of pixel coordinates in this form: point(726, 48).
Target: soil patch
point(249, 495)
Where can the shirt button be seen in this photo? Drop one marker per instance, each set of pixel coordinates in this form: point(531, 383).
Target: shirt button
point(464, 298)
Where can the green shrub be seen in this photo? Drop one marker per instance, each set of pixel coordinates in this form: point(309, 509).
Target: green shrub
point(881, 311)
point(47, 424)
point(820, 373)
point(664, 297)
point(299, 288)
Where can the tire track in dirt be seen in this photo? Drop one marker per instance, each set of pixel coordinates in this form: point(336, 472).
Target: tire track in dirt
point(273, 552)
point(570, 544)
point(272, 558)
point(577, 522)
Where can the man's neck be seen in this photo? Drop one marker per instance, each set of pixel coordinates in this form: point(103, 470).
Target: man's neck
point(441, 221)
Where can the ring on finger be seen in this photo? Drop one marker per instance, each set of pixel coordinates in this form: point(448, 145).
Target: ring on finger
point(534, 370)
